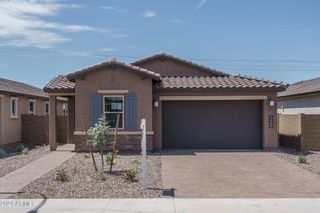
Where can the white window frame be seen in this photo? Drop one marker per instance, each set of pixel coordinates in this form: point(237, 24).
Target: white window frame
point(65, 108)
point(16, 107)
point(34, 107)
point(45, 106)
point(104, 108)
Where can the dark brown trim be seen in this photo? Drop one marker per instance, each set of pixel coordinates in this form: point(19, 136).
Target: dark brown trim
point(60, 90)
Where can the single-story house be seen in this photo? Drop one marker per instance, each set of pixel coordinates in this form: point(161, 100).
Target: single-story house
point(17, 99)
point(186, 105)
point(301, 97)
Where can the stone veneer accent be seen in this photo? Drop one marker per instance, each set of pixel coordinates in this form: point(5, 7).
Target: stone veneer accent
point(125, 143)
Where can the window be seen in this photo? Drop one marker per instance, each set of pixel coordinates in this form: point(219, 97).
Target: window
point(14, 108)
point(113, 105)
point(46, 108)
point(65, 108)
point(32, 107)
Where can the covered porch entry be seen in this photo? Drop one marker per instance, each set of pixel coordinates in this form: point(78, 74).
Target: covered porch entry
point(55, 127)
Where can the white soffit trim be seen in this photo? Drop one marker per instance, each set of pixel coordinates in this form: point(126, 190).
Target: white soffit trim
point(113, 91)
point(213, 98)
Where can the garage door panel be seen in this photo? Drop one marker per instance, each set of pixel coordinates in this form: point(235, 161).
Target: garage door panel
point(212, 124)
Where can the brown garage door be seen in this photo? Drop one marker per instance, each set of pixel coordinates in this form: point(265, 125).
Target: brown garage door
point(211, 125)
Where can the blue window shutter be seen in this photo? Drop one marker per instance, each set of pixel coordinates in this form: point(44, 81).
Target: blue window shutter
point(95, 108)
point(130, 111)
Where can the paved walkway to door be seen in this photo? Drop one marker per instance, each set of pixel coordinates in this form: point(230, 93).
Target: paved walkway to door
point(236, 175)
point(16, 180)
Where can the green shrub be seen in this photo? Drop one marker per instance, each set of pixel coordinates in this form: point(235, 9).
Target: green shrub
point(101, 175)
point(25, 150)
point(2, 153)
point(130, 175)
point(20, 148)
point(302, 159)
point(98, 137)
point(109, 157)
point(62, 176)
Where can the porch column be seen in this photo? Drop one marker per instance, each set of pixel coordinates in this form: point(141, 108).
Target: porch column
point(53, 122)
point(71, 119)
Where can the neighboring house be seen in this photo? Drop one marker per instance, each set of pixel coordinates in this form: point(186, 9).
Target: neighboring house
point(186, 105)
point(16, 99)
point(301, 97)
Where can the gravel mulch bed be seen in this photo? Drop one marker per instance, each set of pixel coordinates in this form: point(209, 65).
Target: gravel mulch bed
point(313, 158)
point(15, 160)
point(84, 182)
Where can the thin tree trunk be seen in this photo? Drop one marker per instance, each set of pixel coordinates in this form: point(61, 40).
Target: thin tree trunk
point(102, 162)
point(114, 148)
point(90, 149)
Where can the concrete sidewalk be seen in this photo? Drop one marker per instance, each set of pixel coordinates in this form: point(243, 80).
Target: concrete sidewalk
point(166, 205)
point(16, 180)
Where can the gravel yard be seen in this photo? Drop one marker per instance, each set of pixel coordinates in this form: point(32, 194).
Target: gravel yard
point(15, 160)
point(84, 182)
point(313, 158)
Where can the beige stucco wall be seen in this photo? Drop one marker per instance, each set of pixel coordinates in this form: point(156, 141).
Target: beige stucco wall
point(307, 104)
point(108, 79)
point(170, 67)
point(11, 127)
point(269, 135)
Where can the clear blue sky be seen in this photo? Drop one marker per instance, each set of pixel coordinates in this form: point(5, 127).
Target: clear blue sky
point(274, 39)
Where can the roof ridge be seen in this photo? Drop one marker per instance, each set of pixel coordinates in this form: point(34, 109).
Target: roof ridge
point(73, 74)
point(190, 62)
point(304, 81)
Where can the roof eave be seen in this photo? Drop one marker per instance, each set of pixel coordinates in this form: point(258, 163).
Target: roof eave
point(82, 73)
point(240, 89)
point(23, 95)
point(299, 95)
point(55, 90)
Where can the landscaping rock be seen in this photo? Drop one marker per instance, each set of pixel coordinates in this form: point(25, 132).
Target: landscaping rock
point(15, 160)
point(312, 163)
point(84, 182)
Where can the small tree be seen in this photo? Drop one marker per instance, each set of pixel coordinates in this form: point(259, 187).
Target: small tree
point(89, 145)
point(98, 135)
point(114, 151)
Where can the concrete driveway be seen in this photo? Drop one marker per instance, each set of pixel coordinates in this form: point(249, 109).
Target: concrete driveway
point(236, 175)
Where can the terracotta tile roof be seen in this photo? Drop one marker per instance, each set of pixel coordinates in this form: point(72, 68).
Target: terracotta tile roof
point(163, 55)
point(113, 62)
point(60, 84)
point(21, 89)
point(216, 82)
point(302, 87)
